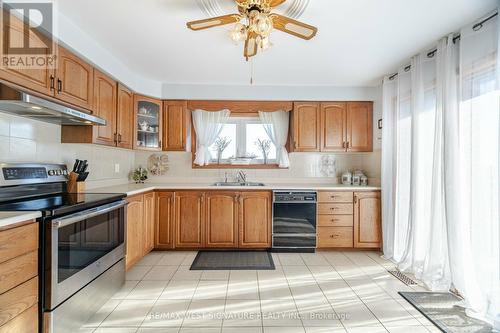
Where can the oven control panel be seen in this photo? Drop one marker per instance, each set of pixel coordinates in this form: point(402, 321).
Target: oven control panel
point(15, 174)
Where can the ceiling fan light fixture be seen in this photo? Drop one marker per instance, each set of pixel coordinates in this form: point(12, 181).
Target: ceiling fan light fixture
point(238, 33)
point(254, 24)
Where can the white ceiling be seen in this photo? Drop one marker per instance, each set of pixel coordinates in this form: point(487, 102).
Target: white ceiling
point(358, 41)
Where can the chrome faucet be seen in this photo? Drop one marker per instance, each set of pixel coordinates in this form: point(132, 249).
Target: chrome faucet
point(241, 177)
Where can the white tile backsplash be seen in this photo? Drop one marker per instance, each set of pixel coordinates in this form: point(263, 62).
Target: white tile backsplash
point(25, 140)
point(304, 167)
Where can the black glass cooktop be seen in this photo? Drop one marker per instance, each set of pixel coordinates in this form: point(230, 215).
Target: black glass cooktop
point(60, 203)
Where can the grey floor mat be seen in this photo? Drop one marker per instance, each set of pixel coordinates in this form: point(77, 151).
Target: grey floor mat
point(242, 260)
point(443, 311)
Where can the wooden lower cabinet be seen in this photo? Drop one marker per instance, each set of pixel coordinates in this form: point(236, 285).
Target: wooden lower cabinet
point(140, 227)
point(335, 237)
point(19, 278)
point(164, 236)
point(149, 222)
point(135, 212)
point(189, 219)
point(221, 219)
point(367, 220)
point(213, 219)
point(255, 220)
point(349, 219)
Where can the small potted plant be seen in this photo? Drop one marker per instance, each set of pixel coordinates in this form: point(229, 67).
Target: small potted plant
point(220, 145)
point(265, 148)
point(140, 175)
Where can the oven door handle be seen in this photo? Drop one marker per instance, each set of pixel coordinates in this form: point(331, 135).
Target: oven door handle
point(87, 214)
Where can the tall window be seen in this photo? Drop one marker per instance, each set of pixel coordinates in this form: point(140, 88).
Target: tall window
point(244, 134)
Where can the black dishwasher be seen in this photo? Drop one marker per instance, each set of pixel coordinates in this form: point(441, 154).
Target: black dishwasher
point(294, 221)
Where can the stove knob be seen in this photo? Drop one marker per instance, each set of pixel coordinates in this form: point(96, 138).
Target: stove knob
point(58, 172)
point(52, 173)
point(65, 172)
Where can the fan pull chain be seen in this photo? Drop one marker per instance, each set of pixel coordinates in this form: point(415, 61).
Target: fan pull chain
point(251, 71)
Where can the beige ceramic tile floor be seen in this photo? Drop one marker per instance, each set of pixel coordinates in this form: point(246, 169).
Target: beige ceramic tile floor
point(335, 292)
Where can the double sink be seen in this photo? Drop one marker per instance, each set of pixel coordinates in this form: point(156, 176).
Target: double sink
point(222, 184)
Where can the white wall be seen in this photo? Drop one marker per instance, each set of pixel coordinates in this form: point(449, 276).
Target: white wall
point(79, 42)
point(266, 93)
point(25, 140)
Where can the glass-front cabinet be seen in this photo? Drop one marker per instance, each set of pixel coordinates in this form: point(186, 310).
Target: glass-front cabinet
point(148, 123)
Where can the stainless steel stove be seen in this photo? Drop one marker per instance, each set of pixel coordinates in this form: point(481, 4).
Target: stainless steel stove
point(82, 242)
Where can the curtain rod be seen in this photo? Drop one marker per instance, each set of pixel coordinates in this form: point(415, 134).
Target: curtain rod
point(476, 27)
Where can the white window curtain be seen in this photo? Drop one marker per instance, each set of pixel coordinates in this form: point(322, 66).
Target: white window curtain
point(208, 126)
point(440, 168)
point(276, 126)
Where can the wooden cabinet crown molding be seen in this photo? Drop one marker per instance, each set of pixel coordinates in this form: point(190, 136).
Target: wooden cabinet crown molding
point(242, 108)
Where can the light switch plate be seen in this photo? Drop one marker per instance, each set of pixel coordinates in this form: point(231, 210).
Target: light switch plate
point(117, 168)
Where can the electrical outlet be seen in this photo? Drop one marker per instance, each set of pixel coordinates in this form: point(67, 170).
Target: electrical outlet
point(117, 168)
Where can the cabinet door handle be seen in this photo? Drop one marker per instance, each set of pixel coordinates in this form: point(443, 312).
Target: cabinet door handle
point(159, 144)
point(355, 199)
point(115, 138)
point(334, 236)
point(52, 79)
point(119, 138)
point(348, 145)
point(333, 208)
point(59, 85)
point(335, 220)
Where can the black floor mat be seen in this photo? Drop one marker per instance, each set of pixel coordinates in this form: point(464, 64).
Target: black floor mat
point(443, 311)
point(242, 260)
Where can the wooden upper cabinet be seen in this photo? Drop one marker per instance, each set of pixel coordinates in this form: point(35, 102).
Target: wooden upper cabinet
point(367, 220)
point(105, 107)
point(39, 79)
point(74, 79)
point(175, 122)
point(125, 117)
point(221, 219)
point(148, 120)
point(135, 232)
point(164, 238)
point(189, 219)
point(255, 220)
point(360, 126)
point(306, 127)
point(334, 126)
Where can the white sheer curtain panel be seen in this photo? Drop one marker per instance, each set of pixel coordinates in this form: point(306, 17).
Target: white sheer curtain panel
point(441, 152)
point(474, 232)
point(389, 134)
point(207, 126)
point(276, 126)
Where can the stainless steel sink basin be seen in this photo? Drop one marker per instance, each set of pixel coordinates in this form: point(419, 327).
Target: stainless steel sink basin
point(238, 184)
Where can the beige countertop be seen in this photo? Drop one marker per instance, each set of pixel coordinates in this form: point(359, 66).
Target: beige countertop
point(133, 189)
point(10, 218)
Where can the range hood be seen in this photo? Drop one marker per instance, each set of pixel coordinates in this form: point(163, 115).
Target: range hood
point(22, 104)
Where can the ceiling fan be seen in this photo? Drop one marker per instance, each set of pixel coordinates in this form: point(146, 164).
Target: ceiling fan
point(254, 24)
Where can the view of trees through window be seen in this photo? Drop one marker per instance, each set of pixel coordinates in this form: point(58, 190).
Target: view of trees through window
point(243, 134)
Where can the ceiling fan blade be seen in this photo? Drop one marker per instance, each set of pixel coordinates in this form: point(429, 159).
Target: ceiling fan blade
point(213, 22)
point(251, 46)
point(276, 3)
point(293, 27)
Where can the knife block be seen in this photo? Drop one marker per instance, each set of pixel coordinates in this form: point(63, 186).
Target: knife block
point(73, 185)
